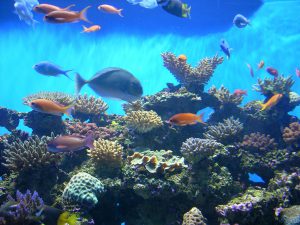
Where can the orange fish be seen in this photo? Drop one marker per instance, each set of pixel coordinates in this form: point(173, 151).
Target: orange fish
point(239, 92)
point(271, 102)
point(261, 64)
point(47, 8)
point(182, 58)
point(110, 9)
point(183, 119)
point(93, 28)
point(50, 107)
point(66, 16)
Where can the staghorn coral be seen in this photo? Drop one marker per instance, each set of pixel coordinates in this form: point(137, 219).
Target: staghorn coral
point(31, 153)
point(258, 141)
point(60, 97)
point(156, 161)
point(194, 217)
point(269, 86)
point(106, 153)
point(143, 121)
point(291, 134)
point(224, 96)
point(196, 149)
point(188, 75)
point(225, 132)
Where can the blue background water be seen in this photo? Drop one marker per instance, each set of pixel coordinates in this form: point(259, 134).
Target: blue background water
point(136, 41)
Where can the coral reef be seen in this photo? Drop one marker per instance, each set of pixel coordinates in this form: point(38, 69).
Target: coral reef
point(291, 134)
point(226, 132)
point(156, 161)
point(60, 97)
point(143, 121)
point(82, 191)
point(32, 153)
point(258, 141)
point(106, 153)
point(196, 149)
point(193, 217)
point(291, 215)
point(9, 118)
point(224, 97)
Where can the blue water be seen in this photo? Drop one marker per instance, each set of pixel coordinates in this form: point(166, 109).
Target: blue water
point(274, 37)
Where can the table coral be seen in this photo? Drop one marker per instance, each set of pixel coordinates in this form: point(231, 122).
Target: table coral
point(291, 134)
point(82, 191)
point(143, 121)
point(258, 141)
point(194, 217)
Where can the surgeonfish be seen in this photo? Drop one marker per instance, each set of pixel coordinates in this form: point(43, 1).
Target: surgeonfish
point(271, 102)
point(114, 83)
point(50, 107)
point(91, 29)
point(47, 8)
point(50, 69)
point(67, 16)
point(110, 9)
point(240, 21)
point(225, 48)
point(23, 10)
point(183, 119)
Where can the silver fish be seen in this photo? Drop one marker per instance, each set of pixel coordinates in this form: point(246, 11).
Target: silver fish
point(114, 83)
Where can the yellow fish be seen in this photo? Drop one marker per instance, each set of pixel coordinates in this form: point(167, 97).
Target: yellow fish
point(68, 218)
point(271, 102)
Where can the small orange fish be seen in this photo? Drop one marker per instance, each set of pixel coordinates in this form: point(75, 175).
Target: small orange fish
point(66, 16)
point(93, 28)
point(183, 119)
point(271, 102)
point(239, 92)
point(110, 9)
point(261, 64)
point(50, 107)
point(182, 58)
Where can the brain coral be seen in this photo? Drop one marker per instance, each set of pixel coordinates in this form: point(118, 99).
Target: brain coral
point(195, 149)
point(194, 217)
point(82, 190)
point(106, 153)
point(143, 121)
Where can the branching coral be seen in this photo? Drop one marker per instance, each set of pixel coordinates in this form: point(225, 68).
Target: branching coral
point(60, 97)
point(194, 217)
point(186, 74)
point(106, 153)
point(143, 121)
point(224, 96)
point(291, 134)
point(156, 161)
point(258, 141)
point(133, 106)
point(270, 86)
point(31, 153)
point(196, 149)
point(225, 132)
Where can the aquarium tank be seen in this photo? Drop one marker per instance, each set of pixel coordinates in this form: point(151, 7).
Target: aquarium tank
point(150, 112)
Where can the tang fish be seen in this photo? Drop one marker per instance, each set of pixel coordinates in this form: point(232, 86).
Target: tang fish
point(182, 58)
point(176, 8)
point(93, 28)
point(272, 71)
point(50, 107)
point(113, 82)
point(297, 72)
point(183, 119)
point(225, 48)
point(240, 21)
point(261, 64)
point(250, 69)
point(67, 16)
point(70, 143)
point(271, 102)
point(239, 92)
point(110, 9)
point(50, 69)
point(23, 10)
point(47, 8)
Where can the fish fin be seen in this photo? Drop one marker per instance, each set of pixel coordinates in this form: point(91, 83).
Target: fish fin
point(263, 106)
point(80, 82)
point(200, 118)
point(61, 146)
point(68, 110)
point(89, 140)
point(82, 14)
point(120, 12)
point(66, 73)
point(68, 7)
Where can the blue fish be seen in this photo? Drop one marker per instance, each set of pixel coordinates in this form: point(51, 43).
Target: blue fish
point(225, 48)
point(240, 21)
point(50, 69)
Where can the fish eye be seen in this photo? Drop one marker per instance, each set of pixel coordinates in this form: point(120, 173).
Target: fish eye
point(33, 103)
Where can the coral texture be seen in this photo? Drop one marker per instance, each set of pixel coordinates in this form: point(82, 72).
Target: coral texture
point(143, 121)
point(60, 97)
point(90, 105)
point(193, 217)
point(258, 141)
point(82, 191)
point(291, 134)
point(224, 96)
point(9, 118)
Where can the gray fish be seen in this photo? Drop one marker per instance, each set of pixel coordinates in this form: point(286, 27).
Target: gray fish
point(241, 21)
point(50, 69)
point(113, 82)
point(71, 143)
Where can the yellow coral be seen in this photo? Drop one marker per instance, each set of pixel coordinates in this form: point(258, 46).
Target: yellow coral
point(143, 121)
point(193, 217)
point(106, 153)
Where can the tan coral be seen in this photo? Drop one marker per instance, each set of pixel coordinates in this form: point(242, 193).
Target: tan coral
point(291, 134)
point(90, 105)
point(194, 217)
point(106, 153)
point(143, 121)
point(224, 96)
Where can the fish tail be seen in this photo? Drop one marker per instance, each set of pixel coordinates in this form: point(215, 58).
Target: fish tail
point(200, 118)
point(68, 110)
point(80, 82)
point(82, 14)
point(89, 140)
point(66, 74)
point(120, 12)
point(263, 106)
point(68, 7)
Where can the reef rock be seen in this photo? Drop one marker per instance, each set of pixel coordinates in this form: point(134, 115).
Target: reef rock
point(291, 215)
point(194, 217)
